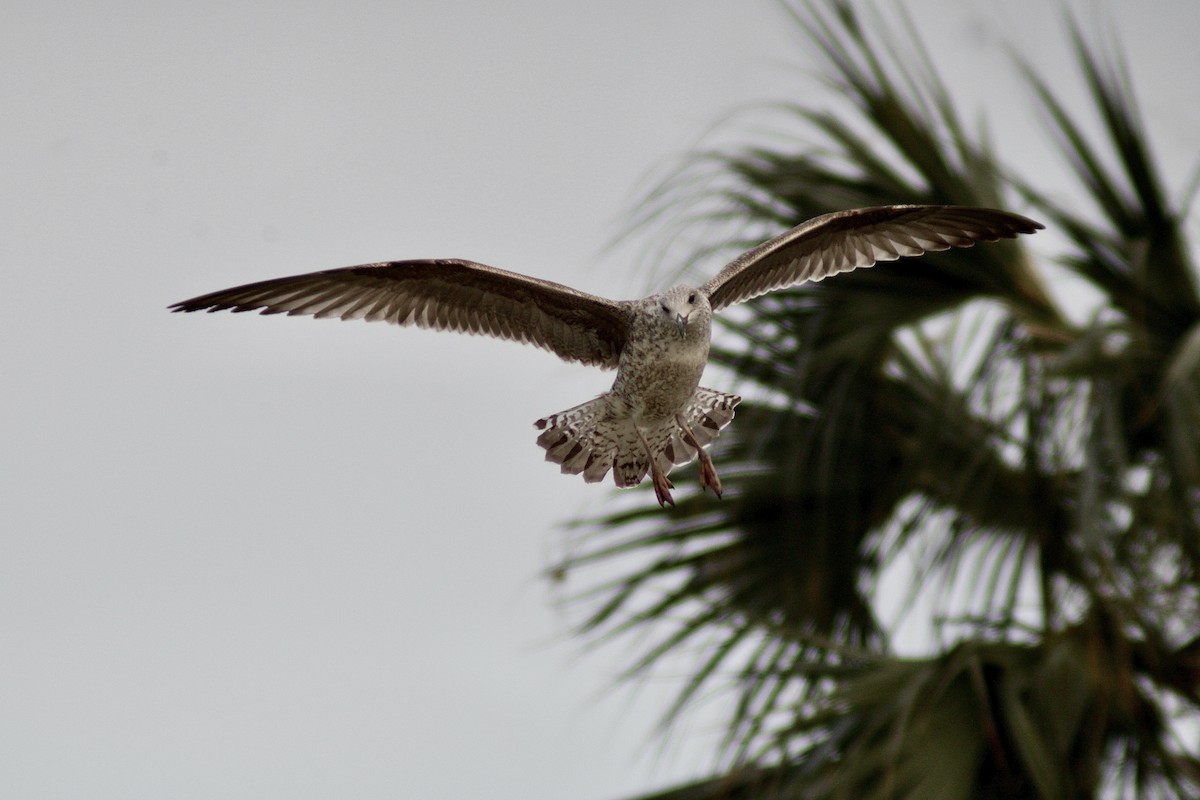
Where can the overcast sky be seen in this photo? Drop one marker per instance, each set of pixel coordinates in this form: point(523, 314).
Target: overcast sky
point(244, 557)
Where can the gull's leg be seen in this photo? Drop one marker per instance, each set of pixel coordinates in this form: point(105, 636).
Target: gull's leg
point(662, 484)
point(708, 471)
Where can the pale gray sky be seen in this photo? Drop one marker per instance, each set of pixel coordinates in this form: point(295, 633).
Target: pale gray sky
point(254, 558)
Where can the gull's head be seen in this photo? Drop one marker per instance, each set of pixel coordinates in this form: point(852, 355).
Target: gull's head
point(684, 307)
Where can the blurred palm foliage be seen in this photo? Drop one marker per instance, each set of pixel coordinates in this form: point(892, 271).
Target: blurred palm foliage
point(1024, 474)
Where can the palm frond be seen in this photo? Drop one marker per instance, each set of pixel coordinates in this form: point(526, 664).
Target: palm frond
point(1039, 479)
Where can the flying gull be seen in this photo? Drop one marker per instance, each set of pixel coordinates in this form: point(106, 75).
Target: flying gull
point(656, 415)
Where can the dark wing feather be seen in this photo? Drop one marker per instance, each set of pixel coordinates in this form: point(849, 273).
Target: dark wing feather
point(449, 294)
point(847, 240)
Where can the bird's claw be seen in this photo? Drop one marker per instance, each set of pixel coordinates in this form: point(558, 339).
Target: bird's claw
point(662, 489)
point(708, 474)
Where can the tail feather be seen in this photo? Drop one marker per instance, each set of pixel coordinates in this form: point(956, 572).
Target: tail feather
point(592, 440)
point(706, 415)
point(576, 440)
point(631, 467)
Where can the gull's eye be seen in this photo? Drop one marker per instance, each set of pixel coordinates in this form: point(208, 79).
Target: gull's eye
point(665, 309)
point(692, 298)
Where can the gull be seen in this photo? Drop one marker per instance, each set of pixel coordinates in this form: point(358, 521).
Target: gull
point(656, 415)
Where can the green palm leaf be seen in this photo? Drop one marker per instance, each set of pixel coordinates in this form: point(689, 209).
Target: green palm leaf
point(1037, 478)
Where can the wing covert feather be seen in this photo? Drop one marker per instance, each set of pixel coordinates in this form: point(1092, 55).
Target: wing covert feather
point(848, 240)
point(443, 294)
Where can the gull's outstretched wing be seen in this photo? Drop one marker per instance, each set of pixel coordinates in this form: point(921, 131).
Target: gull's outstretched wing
point(846, 240)
point(446, 294)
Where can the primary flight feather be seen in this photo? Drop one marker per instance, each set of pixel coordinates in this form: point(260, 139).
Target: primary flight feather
point(656, 415)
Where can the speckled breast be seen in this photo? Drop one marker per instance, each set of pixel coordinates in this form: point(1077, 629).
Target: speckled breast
point(658, 379)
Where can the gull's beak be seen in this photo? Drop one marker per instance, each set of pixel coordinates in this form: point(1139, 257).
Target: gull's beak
point(681, 323)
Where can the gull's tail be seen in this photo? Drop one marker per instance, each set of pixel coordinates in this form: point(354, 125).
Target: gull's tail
point(591, 439)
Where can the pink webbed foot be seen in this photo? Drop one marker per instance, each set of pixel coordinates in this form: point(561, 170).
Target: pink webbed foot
point(662, 484)
point(708, 474)
point(708, 471)
point(662, 487)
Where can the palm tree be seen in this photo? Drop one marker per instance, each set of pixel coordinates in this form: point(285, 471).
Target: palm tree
point(1031, 472)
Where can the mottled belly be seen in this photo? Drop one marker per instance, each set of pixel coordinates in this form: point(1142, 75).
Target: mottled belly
point(657, 391)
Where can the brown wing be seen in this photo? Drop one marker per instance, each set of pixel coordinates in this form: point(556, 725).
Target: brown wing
point(449, 294)
point(847, 240)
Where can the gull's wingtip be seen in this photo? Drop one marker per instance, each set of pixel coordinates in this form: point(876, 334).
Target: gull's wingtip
point(188, 305)
point(1031, 225)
